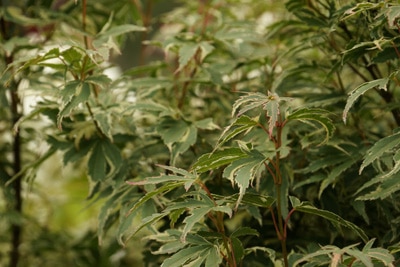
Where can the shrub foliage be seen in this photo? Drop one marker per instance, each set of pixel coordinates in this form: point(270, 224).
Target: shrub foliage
point(249, 133)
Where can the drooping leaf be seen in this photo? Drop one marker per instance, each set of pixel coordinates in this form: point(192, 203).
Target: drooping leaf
point(242, 171)
point(112, 155)
point(318, 115)
point(359, 207)
point(243, 231)
point(151, 106)
point(104, 214)
point(380, 254)
point(126, 224)
point(161, 179)
point(379, 148)
point(249, 102)
point(170, 247)
point(119, 30)
point(158, 191)
point(237, 248)
point(335, 219)
point(360, 90)
point(37, 60)
point(386, 187)
point(197, 215)
point(82, 93)
point(240, 125)
point(188, 139)
point(104, 41)
point(16, 15)
point(185, 255)
point(105, 160)
point(97, 163)
point(333, 175)
point(256, 200)
point(335, 255)
point(99, 80)
point(211, 161)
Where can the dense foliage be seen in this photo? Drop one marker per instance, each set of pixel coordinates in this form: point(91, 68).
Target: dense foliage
point(248, 133)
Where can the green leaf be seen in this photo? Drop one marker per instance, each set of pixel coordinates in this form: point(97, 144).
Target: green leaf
point(151, 106)
point(359, 207)
point(159, 191)
point(103, 121)
point(270, 103)
point(273, 111)
point(318, 115)
point(240, 125)
point(243, 231)
point(206, 124)
point(120, 29)
point(187, 140)
point(242, 171)
point(392, 14)
point(379, 148)
point(186, 52)
point(211, 161)
point(396, 167)
point(213, 259)
point(387, 187)
point(206, 48)
point(161, 179)
point(103, 154)
point(15, 14)
point(100, 80)
point(197, 215)
point(172, 131)
point(252, 199)
point(237, 248)
point(97, 163)
point(174, 215)
point(184, 256)
point(334, 174)
point(126, 224)
point(73, 56)
point(364, 258)
point(104, 214)
point(359, 8)
point(113, 156)
point(335, 219)
point(82, 93)
point(381, 254)
point(170, 247)
point(331, 252)
point(37, 60)
point(360, 90)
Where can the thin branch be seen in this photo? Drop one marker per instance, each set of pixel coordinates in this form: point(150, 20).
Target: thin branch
point(287, 222)
point(278, 233)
